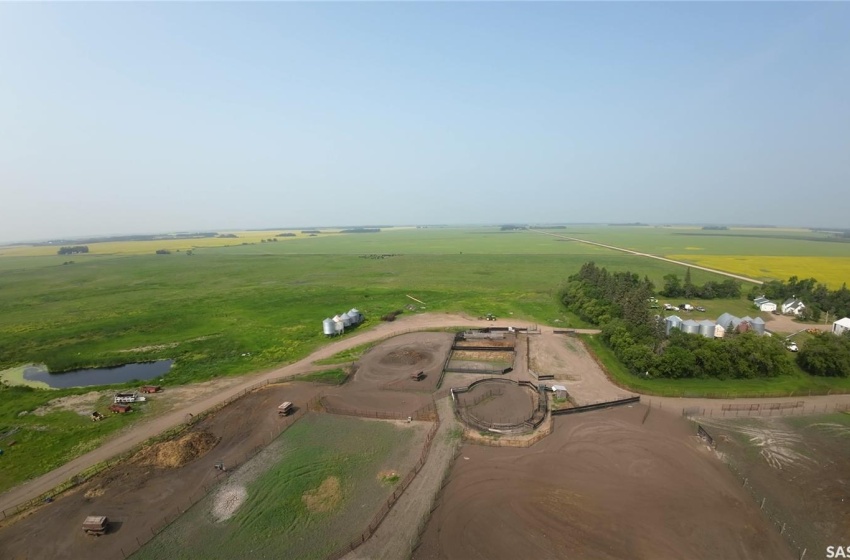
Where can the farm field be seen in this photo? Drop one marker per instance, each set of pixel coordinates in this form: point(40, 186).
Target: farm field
point(314, 492)
point(799, 466)
point(763, 254)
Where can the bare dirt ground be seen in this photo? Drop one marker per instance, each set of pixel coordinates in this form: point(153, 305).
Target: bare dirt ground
point(602, 486)
point(137, 494)
point(567, 359)
point(785, 324)
point(800, 467)
point(382, 381)
point(499, 403)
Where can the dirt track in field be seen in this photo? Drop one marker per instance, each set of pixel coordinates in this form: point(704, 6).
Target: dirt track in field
point(602, 486)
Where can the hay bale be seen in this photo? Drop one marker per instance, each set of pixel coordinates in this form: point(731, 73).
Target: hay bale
point(176, 453)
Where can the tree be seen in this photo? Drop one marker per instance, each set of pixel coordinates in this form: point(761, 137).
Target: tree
point(827, 355)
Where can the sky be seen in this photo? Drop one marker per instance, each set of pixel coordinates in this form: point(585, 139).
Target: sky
point(120, 118)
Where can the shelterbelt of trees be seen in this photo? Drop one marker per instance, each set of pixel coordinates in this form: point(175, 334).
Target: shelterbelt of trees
point(619, 303)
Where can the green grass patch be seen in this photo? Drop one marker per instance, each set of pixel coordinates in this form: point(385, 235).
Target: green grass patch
point(319, 495)
point(791, 385)
point(346, 356)
point(329, 376)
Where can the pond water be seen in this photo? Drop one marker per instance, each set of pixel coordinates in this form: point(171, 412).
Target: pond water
point(98, 376)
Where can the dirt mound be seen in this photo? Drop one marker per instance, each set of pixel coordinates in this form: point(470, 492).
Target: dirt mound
point(405, 357)
point(176, 453)
point(324, 498)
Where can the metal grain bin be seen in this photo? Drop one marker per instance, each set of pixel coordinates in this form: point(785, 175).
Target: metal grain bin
point(328, 327)
point(690, 326)
point(706, 328)
point(346, 320)
point(758, 325)
point(339, 327)
point(672, 322)
point(356, 317)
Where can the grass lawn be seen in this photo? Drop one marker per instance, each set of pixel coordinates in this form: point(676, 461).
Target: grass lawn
point(791, 385)
point(329, 376)
point(331, 476)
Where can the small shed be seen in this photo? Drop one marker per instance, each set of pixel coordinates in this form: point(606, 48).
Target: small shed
point(841, 326)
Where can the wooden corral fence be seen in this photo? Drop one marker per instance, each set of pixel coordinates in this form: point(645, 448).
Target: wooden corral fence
point(153, 530)
point(379, 517)
point(518, 425)
point(425, 413)
point(89, 473)
point(596, 406)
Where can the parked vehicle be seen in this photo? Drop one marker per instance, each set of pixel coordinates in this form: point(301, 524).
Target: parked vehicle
point(151, 389)
point(284, 409)
point(792, 347)
point(95, 525)
point(96, 416)
point(124, 398)
point(686, 307)
point(700, 308)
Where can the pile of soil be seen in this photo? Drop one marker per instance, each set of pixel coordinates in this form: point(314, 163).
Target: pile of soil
point(228, 500)
point(406, 357)
point(176, 453)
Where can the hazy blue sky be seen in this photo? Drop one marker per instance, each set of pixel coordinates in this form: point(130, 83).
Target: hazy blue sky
point(124, 118)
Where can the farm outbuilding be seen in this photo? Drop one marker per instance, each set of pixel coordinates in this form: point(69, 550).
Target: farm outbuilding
point(328, 327)
point(758, 325)
point(719, 331)
point(764, 304)
point(841, 326)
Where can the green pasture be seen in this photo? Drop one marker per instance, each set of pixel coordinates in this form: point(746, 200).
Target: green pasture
point(275, 521)
point(34, 444)
point(696, 241)
point(798, 384)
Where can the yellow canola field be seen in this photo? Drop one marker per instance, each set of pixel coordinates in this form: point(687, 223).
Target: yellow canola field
point(832, 271)
point(149, 247)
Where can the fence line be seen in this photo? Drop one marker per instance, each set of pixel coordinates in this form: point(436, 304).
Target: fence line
point(764, 411)
point(91, 472)
point(424, 413)
point(379, 517)
point(151, 532)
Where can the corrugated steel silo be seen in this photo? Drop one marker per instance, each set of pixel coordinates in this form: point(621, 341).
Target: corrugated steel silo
point(672, 322)
point(328, 327)
point(339, 328)
point(758, 325)
point(346, 320)
point(706, 328)
point(356, 318)
point(690, 326)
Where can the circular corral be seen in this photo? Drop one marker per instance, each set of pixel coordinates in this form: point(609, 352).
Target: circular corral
point(496, 403)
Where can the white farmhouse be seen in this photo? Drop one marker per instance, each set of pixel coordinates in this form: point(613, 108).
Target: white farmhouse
point(793, 306)
point(841, 326)
point(764, 304)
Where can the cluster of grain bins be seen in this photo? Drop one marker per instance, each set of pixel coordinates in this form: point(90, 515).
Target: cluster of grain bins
point(338, 324)
point(714, 329)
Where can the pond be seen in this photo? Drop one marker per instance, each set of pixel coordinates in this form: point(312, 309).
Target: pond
point(98, 376)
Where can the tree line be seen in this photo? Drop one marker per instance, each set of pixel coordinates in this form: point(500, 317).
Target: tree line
point(619, 303)
point(674, 287)
point(72, 250)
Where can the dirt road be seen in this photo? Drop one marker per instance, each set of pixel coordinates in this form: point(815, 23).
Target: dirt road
point(656, 257)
